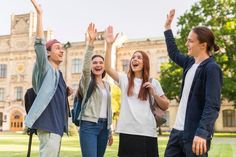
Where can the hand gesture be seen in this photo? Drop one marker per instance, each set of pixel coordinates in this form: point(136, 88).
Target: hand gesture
point(169, 19)
point(37, 7)
point(91, 33)
point(109, 37)
point(150, 88)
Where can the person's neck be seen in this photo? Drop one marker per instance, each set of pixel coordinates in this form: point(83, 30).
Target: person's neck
point(54, 65)
point(138, 75)
point(99, 79)
point(99, 82)
point(201, 57)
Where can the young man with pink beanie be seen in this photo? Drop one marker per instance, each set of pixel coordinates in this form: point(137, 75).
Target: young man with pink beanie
point(49, 112)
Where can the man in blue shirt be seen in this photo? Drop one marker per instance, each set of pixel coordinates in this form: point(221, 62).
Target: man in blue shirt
point(200, 94)
point(49, 112)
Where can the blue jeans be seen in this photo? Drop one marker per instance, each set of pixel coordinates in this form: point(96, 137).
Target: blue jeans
point(93, 138)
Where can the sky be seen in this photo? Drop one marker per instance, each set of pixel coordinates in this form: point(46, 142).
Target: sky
point(69, 18)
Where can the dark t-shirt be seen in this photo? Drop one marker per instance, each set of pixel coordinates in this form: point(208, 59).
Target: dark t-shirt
point(53, 117)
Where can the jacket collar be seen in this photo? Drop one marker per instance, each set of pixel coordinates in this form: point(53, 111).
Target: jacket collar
point(203, 63)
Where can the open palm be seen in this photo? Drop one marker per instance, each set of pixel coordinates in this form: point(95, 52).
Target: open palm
point(92, 32)
point(169, 19)
point(109, 36)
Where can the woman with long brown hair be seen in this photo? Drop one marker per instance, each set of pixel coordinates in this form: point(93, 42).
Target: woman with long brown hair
point(136, 125)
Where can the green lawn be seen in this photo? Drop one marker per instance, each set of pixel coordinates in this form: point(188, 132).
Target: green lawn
point(15, 145)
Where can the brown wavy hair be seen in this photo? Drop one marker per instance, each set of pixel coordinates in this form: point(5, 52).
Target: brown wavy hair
point(143, 92)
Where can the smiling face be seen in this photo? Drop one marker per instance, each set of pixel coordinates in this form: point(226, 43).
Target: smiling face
point(136, 62)
point(194, 46)
point(56, 53)
point(97, 66)
point(139, 67)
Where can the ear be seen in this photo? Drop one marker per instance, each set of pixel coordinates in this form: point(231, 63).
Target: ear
point(48, 53)
point(204, 46)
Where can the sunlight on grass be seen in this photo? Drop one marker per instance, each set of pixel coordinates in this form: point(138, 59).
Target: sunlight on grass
point(15, 145)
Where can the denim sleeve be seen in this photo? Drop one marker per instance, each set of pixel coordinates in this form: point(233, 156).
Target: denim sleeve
point(173, 50)
point(212, 101)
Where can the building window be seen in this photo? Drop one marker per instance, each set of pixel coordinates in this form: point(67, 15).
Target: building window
point(125, 65)
point(167, 117)
point(76, 66)
point(1, 94)
point(18, 93)
point(3, 70)
point(229, 118)
point(1, 119)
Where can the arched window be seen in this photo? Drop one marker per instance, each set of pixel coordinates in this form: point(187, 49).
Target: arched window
point(229, 118)
point(17, 117)
point(16, 121)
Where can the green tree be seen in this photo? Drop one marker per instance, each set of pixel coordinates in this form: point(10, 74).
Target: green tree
point(220, 16)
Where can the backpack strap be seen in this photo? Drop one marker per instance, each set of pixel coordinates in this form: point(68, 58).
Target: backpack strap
point(149, 95)
point(88, 95)
point(89, 92)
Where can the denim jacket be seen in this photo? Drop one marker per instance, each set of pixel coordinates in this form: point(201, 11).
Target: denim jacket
point(44, 80)
point(204, 98)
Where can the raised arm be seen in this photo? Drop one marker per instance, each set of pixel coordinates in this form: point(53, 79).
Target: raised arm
point(86, 70)
point(110, 39)
point(169, 19)
point(39, 31)
point(40, 49)
point(172, 48)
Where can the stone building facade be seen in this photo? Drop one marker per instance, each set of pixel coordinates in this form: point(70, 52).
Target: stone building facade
point(17, 58)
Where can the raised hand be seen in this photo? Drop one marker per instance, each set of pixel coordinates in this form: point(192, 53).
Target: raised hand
point(37, 7)
point(109, 37)
point(91, 33)
point(39, 30)
point(169, 19)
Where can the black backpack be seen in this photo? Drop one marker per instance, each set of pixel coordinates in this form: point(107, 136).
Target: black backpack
point(29, 97)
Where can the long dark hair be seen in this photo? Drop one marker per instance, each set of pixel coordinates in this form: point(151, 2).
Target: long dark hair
point(204, 34)
point(143, 92)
